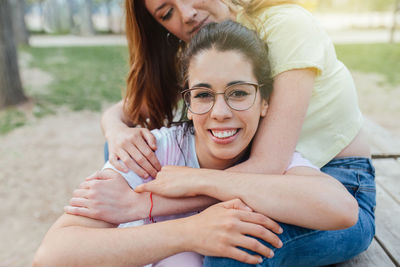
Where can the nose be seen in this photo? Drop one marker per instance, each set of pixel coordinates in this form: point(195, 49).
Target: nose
point(220, 111)
point(189, 13)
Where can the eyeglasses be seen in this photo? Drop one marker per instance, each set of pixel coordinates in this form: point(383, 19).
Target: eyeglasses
point(239, 96)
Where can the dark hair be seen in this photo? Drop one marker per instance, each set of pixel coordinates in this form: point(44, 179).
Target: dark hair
point(228, 36)
point(152, 85)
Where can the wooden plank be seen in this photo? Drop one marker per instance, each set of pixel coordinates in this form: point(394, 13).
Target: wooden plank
point(381, 140)
point(388, 176)
point(373, 257)
point(388, 224)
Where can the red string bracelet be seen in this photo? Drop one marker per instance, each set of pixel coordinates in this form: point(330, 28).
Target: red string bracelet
point(151, 207)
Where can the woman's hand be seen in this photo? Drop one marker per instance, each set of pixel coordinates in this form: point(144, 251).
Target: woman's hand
point(223, 227)
point(174, 182)
point(107, 196)
point(135, 148)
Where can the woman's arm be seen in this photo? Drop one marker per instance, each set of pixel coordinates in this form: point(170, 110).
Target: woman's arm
point(278, 132)
point(302, 197)
point(107, 196)
point(217, 231)
point(134, 146)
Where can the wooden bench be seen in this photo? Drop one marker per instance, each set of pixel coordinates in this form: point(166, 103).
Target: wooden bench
point(385, 248)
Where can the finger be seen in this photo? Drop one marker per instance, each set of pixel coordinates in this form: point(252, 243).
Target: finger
point(118, 165)
point(150, 139)
point(253, 244)
point(262, 220)
point(149, 154)
point(136, 152)
point(140, 188)
point(235, 204)
point(82, 193)
point(79, 202)
point(261, 233)
point(81, 211)
point(99, 175)
point(132, 164)
point(240, 255)
point(85, 185)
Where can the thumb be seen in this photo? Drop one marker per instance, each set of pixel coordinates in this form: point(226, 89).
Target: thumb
point(140, 188)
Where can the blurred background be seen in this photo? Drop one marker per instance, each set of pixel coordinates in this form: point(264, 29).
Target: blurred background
point(62, 62)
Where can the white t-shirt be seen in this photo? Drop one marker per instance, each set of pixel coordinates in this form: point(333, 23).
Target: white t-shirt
point(175, 147)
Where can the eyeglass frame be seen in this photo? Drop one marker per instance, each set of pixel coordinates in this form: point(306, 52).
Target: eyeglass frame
point(256, 85)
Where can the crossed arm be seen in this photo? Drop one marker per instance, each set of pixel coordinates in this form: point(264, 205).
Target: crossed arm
point(217, 231)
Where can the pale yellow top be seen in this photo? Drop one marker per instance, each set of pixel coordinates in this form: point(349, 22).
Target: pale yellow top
point(296, 41)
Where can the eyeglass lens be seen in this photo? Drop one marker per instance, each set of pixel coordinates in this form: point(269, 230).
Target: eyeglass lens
point(238, 97)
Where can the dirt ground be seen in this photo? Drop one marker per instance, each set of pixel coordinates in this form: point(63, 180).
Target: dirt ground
point(42, 162)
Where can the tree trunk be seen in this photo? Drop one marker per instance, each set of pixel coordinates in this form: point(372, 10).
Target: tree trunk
point(86, 27)
point(11, 91)
point(71, 15)
point(393, 30)
point(18, 13)
point(109, 19)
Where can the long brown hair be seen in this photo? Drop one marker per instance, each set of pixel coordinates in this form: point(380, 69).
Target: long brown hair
point(152, 84)
point(152, 91)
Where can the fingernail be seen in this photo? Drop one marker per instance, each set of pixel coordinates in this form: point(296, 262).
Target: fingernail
point(280, 243)
point(280, 230)
point(271, 254)
point(260, 259)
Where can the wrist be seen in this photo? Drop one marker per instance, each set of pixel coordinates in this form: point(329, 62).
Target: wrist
point(140, 206)
point(185, 232)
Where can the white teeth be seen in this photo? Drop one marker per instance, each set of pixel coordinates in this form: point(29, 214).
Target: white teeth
point(224, 134)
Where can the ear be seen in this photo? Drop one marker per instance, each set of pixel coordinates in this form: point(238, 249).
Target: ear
point(264, 108)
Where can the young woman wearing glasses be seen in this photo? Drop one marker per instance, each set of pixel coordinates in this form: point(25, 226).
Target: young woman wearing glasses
point(228, 86)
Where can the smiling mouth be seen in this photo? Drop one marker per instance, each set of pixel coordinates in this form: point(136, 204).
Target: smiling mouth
point(198, 26)
point(224, 134)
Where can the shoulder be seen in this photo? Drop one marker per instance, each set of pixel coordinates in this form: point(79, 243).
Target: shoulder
point(172, 144)
point(166, 136)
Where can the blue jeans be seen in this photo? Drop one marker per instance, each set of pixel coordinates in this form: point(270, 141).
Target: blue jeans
point(106, 153)
point(307, 247)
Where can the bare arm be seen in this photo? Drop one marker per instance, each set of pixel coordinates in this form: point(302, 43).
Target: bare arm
point(302, 197)
point(107, 196)
point(217, 231)
point(278, 132)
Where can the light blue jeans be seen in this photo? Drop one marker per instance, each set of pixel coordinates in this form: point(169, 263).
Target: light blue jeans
point(307, 247)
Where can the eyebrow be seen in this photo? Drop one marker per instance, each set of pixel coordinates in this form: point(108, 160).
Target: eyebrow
point(158, 8)
point(207, 85)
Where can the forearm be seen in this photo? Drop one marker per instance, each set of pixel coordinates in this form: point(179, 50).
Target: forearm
point(279, 131)
point(73, 245)
point(163, 206)
point(113, 118)
point(317, 202)
point(170, 206)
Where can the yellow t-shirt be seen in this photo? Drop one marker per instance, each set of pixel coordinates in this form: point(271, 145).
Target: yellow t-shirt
point(296, 41)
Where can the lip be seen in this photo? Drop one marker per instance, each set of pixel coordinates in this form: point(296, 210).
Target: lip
point(199, 26)
point(224, 141)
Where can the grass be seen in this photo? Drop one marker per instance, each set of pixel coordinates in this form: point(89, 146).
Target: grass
point(383, 59)
point(87, 77)
point(84, 77)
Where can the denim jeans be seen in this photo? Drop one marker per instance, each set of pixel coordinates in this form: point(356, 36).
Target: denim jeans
point(307, 247)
